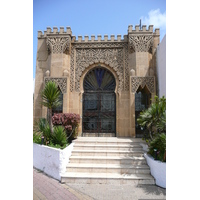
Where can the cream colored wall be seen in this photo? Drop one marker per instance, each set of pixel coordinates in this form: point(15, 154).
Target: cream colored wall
point(144, 64)
point(42, 64)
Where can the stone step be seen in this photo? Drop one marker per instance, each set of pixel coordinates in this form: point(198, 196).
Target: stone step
point(108, 168)
point(107, 178)
point(107, 147)
point(107, 160)
point(107, 153)
point(107, 141)
point(134, 160)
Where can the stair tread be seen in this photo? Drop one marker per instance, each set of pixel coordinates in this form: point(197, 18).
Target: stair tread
point(107, 162)
point(107, 145)
point(106, 175)
point(117, 166)
point(120, 139)
point(110, 157)
point(106, 150)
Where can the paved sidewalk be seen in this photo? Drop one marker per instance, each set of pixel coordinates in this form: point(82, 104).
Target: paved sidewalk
point(47, 188)
point(121, 192)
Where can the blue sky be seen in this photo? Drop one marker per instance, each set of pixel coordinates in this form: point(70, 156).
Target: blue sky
point(91, 17)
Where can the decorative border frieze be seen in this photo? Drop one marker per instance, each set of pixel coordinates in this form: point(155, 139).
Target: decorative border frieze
point(61, 82)
point(140, 43)
point(142, 81)
point(114, 54)
point(59, 44)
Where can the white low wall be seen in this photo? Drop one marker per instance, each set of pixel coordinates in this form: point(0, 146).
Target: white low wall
point(50, 160)
point(144, 146)
point(158, 170)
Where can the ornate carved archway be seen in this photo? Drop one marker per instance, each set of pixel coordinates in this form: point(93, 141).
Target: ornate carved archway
point(113, 54)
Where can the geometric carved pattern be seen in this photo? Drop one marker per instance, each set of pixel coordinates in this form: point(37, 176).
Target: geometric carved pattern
point(113, 54)
point(59, 44)
point(61, 82)
point(140, 43)
point(142, 81)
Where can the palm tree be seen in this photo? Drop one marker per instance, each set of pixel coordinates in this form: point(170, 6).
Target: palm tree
point(50, 99)
point(154, 118)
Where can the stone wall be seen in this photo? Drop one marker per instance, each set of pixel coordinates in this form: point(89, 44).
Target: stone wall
point(62, 55)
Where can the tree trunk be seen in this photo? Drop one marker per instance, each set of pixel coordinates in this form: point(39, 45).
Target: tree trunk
point(50, 120)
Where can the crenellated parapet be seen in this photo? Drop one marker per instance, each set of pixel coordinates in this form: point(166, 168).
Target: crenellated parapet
point(55, 32)
point(141, 40)
point(99, 38)
point(138, 40)
point(57, 41)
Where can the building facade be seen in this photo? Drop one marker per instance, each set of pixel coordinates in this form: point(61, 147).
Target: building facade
point(108, 81)
point(161, 68)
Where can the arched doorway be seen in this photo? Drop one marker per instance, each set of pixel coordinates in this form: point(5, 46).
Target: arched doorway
point(99, 103)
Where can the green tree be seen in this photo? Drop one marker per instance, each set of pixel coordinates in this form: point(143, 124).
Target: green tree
point(50, 99)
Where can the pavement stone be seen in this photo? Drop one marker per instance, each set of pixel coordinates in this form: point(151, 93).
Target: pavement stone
point(47, 188)
point(121, 192)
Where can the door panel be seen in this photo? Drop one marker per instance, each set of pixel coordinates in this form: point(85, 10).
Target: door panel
point(99, 102)
point(99, 112)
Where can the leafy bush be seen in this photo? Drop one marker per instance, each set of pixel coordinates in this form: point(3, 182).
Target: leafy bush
point(56, 139)
point(154, 118)
point(70, 121)
point(56, 146)
point(37, 137)
point(157, 147)
point(59, 136)
point(42, 127)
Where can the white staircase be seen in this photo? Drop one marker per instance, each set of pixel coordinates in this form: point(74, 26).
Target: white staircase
point(107, 160)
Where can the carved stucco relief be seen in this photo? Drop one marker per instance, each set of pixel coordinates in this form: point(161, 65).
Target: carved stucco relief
point(140, 43)
point(59, 44)
point(142, 81)
point(61, 82)
point(113, 54)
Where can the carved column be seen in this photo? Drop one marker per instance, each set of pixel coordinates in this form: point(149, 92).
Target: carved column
point(140, 47)
point(60, 48)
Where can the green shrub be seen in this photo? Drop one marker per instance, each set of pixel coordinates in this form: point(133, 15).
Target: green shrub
point(57, 139)
point(70, 121)
point(42, 127)
point(158, 144)
point(56, 146)
point(59, 136)
point(47, 134)
point(154, 118)
point(37, 137)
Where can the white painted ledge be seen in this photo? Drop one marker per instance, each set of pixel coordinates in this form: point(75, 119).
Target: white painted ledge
point(158, 170)
point(50, 160)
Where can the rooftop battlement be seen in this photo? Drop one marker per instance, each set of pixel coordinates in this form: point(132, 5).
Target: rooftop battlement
point(144, 30)
point(55, 31)
point(99, 38)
